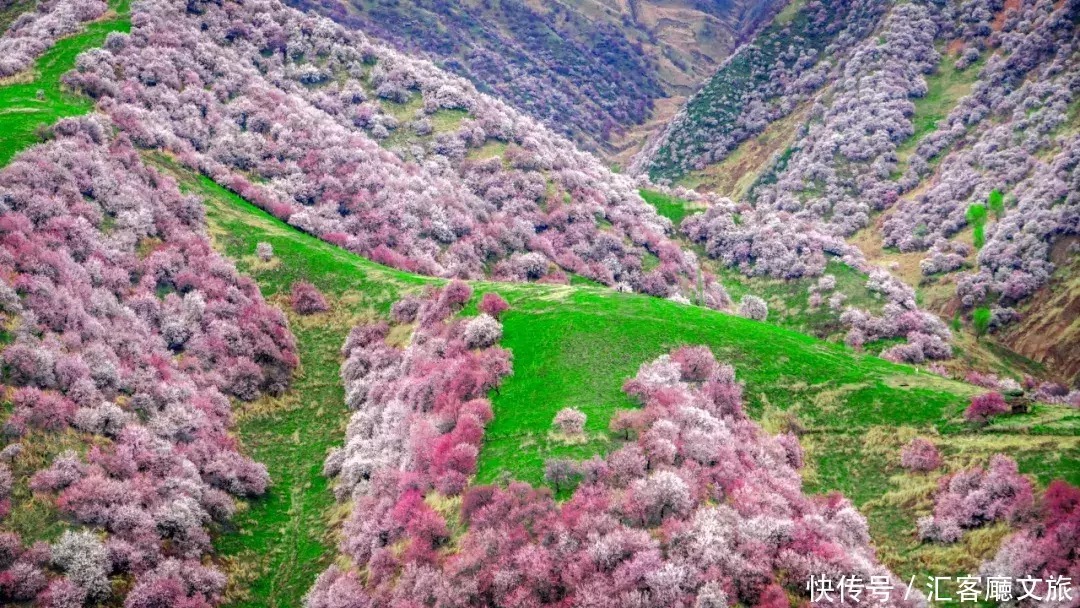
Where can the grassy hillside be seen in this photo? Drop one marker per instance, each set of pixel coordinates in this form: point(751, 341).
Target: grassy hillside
point(282, 541)
point(28, 105)
point(574, 346)
point(788, 300)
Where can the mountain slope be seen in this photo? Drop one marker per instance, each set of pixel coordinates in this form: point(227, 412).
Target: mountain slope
point(945, 132)
point(588, 69)
point(125, 335)
point(1049, 327)
point(761, 82)
point(379, 152)
point(575, 346)
point(25, 115)
point(130, 256)
point(392, 158)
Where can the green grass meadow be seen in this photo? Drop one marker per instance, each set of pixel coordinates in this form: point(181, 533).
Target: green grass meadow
point(671, 207)
point(28, 108)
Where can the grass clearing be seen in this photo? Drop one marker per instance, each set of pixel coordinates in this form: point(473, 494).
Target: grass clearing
point(36, 100)
point(34, 517)
point(671, 207)
point(279, 543)
point(490, 149)
point(403, 111)
point(405, 136)
point(789, 300)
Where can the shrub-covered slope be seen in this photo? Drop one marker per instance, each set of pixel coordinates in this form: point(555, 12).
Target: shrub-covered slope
point(735, 526)
point(588, 70)
point(845, 407)
point(125, 334)
point(33, 99)
point(764, 80)
point(409, 166)
point(941, 140)
point(373, 150)
point(33, 32)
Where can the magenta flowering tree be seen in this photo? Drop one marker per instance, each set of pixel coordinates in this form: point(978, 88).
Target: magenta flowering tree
point(306, 299)
point(1046, 548)
point(984, 407)
point(976, 497)
point(920, 455)
point(457, 294)
point(493, 304)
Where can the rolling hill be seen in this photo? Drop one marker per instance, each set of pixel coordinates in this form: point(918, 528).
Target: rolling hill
point(174, 423)
point(575, 346)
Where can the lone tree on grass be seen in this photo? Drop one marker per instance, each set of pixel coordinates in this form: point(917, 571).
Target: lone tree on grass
point(753, 307)
point(306, 299)
point(561, 473)
point(984, 407)
point(571, 421)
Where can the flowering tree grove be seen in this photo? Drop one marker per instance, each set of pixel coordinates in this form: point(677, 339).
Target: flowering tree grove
point(701, 508)
point(129, 333)
point(976, 497)
point(276, 128)
point(34, 32)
